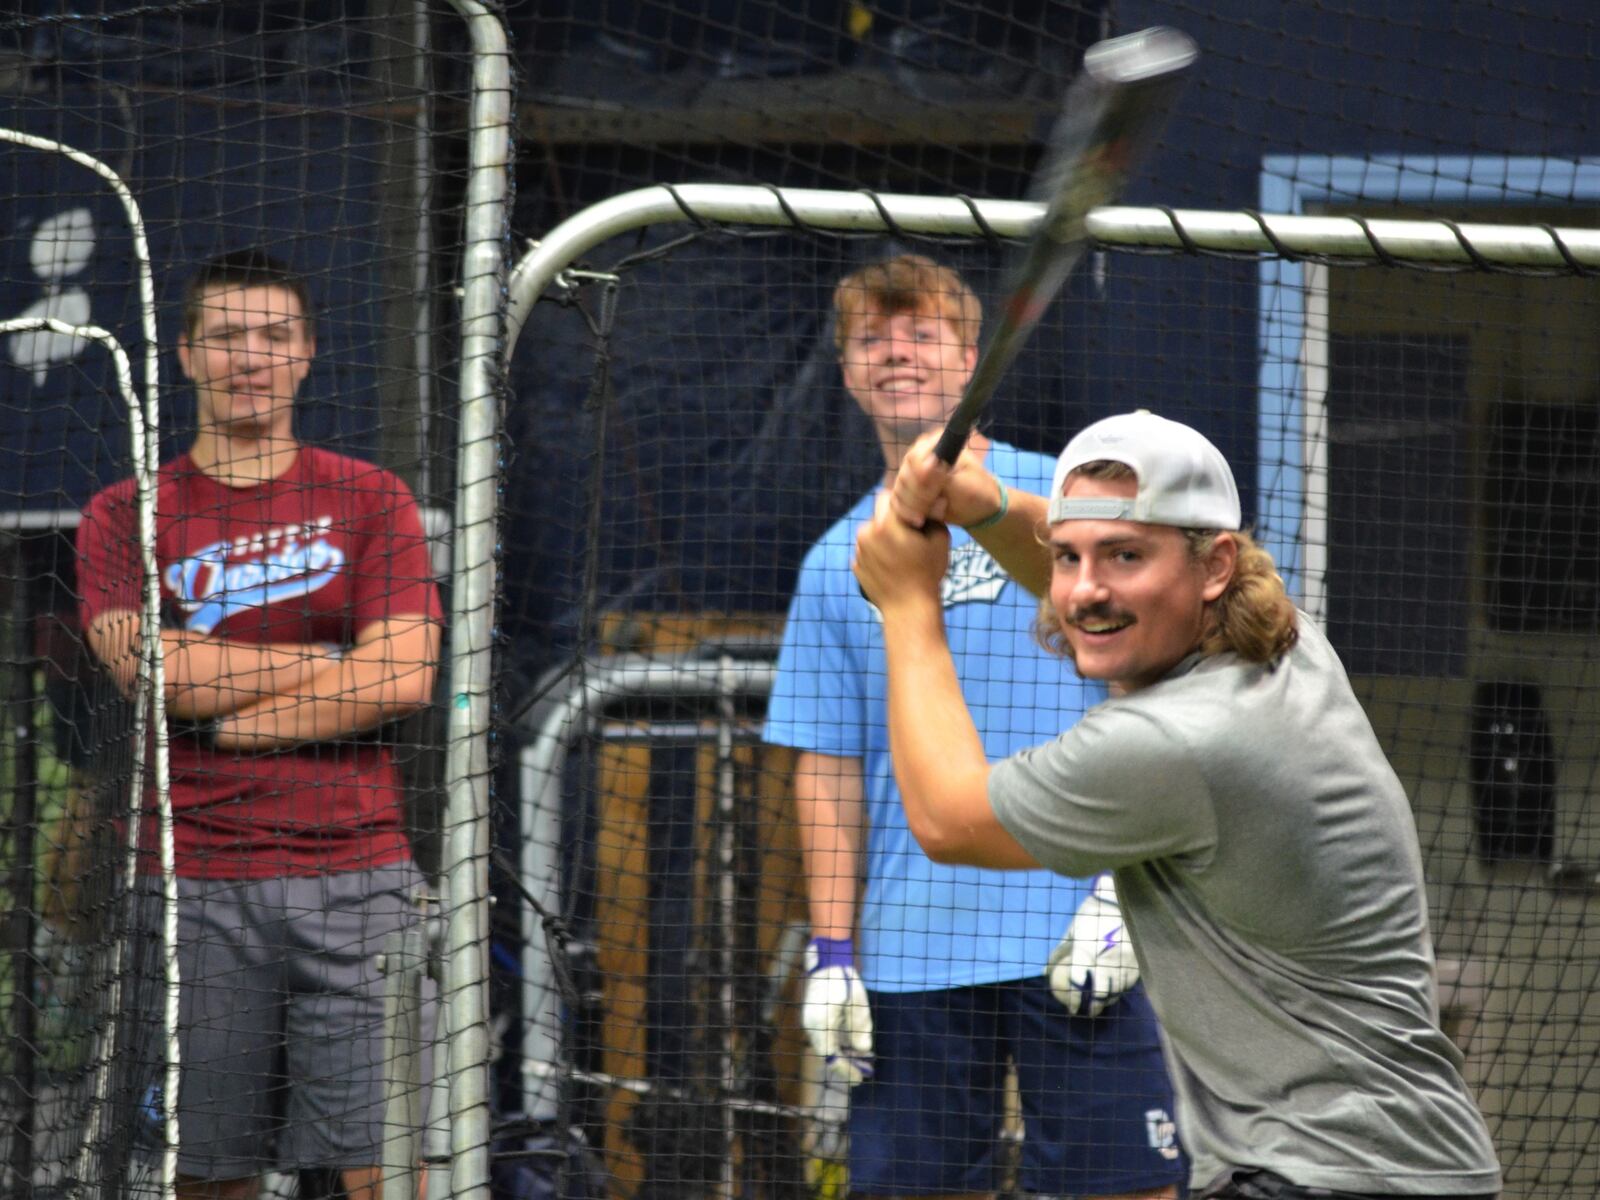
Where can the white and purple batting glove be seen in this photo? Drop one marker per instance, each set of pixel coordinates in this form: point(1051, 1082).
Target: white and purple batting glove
point(1094, 962)
point(835, 1014)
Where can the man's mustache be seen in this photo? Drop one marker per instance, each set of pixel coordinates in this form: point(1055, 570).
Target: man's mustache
point(1100, 614)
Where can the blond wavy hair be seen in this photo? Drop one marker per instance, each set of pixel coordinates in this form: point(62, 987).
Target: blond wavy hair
point(1254, 617)
point(906, 283)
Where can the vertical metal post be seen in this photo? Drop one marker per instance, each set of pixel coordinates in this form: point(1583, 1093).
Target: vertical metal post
point(466, 850)
point(727, 918)
point(405, 969)
point(541, 875)
point(22, 819)
point(150, 704)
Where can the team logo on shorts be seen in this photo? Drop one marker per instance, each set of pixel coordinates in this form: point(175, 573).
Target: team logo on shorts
point(1162, 1131)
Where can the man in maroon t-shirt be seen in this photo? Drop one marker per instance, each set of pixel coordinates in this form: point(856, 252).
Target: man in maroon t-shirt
point(299, 614)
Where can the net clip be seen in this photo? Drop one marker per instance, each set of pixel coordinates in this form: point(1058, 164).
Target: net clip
point(570, 279)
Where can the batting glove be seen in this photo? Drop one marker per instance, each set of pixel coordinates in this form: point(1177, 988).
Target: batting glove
point(1094, 962)
point(835, 1014)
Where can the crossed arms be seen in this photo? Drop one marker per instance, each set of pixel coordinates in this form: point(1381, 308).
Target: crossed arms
point(274, 696)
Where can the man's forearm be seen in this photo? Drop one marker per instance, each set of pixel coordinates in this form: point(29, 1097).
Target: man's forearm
point(375, 682)
point(1013, 542)
point(205, 676)
point(829, 804)
point(210, 677)
point(932, 739)
point(939, 760)
point(832, 885)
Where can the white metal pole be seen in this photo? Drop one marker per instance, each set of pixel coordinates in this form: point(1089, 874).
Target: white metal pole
point(466, 849)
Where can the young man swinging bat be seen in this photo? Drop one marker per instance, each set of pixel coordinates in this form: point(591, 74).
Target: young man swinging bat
point(1263, 848)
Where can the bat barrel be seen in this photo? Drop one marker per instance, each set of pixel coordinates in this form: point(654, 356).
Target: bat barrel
point(1158, 52)
point(1112, 111)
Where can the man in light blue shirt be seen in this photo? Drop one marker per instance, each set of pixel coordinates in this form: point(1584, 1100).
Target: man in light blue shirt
point(926, 982)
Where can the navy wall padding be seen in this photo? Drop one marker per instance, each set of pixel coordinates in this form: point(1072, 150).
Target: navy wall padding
point(1176, 334)
point(300, 185)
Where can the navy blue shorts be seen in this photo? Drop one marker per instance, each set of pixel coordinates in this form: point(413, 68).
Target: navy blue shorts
point(1096, 1102)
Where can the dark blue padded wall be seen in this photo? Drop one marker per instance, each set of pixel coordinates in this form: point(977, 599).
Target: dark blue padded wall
point(207, 178)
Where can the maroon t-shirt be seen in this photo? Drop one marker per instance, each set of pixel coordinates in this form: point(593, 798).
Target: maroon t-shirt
point(313, 556)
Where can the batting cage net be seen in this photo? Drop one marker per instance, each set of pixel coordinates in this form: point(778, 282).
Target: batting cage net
point(234, 242)
point(601, 408)
point(1412, 464)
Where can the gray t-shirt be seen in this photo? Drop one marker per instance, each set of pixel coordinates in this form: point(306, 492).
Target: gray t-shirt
point(1268, 868)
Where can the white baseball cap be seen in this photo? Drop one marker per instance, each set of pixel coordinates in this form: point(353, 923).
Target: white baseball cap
point(1183, 478)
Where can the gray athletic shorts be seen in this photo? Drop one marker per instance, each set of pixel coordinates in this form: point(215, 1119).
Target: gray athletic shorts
point(281, 1036)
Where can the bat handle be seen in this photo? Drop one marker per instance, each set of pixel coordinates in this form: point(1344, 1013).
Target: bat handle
point(953, 440)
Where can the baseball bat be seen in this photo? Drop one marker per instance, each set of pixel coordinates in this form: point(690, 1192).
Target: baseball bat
point(1111, 112)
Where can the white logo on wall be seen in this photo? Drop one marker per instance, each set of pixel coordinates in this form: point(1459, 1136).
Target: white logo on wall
point(62, 246)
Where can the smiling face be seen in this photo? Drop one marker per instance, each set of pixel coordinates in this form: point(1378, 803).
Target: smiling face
point(247, 352)
point(906, 370)
point(1130, 597)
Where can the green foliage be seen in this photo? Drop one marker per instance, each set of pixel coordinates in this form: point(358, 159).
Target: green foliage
point(60, 1024)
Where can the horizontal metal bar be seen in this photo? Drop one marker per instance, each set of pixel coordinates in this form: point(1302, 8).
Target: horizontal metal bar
point(620, 729)
point(1345, 239)
point(1349, 238)
point(544, 1072)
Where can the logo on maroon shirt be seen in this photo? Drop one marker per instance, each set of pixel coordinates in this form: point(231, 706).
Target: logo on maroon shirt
point(228, 577)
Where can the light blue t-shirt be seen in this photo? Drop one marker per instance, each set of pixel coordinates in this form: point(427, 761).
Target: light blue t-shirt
point(925, 926)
